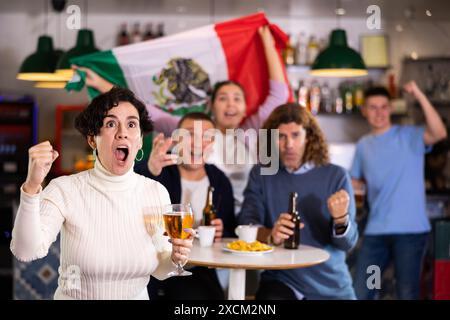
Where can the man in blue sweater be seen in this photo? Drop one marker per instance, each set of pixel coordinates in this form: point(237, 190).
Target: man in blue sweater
point(325, 204)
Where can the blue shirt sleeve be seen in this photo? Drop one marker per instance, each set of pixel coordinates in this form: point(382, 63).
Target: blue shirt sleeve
point(252, 210)
point(347, 240)
point(356, 169)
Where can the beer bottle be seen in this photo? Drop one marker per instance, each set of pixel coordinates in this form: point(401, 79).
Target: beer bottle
point(293, 241)
point(209, 212)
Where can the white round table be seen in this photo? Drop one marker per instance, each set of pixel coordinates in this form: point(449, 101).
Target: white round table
point(279, 258)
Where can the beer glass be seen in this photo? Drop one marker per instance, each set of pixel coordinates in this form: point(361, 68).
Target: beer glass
point(153, 220)
point(178, 217)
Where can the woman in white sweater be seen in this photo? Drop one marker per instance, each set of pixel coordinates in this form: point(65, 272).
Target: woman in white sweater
point(106, 252)
point(235, 157)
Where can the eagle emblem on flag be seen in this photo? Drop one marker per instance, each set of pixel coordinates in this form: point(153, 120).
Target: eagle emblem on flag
point(182, 83)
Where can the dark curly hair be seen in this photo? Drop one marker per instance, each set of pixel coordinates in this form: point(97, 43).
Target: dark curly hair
point(90, 120)
point(316, 150)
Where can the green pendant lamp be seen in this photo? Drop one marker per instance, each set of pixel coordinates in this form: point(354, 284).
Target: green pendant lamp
point(54, 84)
point(85, 45)
point(40, 66)
point(338, 59)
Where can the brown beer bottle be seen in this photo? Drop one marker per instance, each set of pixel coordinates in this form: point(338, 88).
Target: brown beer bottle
point(209, 212)
point(293, 241)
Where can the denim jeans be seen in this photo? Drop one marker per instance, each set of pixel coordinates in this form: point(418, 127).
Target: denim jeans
point(406, 251)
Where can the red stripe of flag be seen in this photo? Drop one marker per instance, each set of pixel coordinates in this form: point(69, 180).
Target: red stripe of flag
point(245, 55)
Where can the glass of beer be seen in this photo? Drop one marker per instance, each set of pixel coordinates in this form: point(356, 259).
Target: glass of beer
point(178, 217)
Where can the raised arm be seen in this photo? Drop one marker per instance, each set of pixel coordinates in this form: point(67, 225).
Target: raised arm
point(159, 158)
point(341, 206)
point(37, 222)
point(36, 227)
point(278, 88)
point(274, 65)
point(435, 128)
point(94, 80)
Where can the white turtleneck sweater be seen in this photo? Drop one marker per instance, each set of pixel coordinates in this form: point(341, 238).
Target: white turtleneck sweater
point(106, 252)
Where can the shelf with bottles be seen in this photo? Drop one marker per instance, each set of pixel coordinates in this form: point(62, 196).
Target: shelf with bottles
point(137, 34)
point(304, 51)
point(300, 56)
point(343, 99)
point(305, 69)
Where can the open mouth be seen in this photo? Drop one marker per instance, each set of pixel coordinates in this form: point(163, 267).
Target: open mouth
point(121, 153)
point(230, 114)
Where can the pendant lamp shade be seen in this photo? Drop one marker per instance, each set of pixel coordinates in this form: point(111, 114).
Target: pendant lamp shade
point(85, 45)
point(40, 65)
point(338, 59)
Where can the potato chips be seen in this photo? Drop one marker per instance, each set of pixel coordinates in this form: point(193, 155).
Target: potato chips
point(240, 245)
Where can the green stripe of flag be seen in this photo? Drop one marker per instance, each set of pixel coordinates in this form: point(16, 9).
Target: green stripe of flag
point(105, 64)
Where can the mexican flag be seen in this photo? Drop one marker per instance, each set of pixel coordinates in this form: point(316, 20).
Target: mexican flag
point(177, 73)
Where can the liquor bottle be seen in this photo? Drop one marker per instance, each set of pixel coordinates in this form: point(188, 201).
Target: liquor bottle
point(327, 101)
point(303, 97)
point(160, 30)
point(339, 104)
point(359, 97)
point(289, 53)
point(294, 240)
point(136, 36)
point(348, 100)
point(314, 98)
point(313, 50)
point(123, 37)
point(148, 35)
point(392, 87)
point(209, 212)
point(300, 50)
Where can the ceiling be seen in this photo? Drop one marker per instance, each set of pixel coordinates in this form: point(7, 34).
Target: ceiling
point(390, 10)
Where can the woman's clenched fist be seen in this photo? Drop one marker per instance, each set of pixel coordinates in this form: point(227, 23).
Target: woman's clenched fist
point(40, 159)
